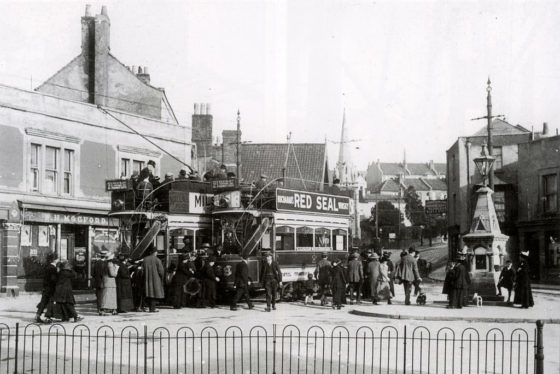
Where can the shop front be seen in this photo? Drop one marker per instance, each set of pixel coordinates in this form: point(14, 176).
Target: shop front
point(76, 237)
point(542, 239)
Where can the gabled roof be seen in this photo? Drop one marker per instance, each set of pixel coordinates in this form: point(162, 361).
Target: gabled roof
point(269, 159)
point(501, 127)
point(389, 185)
point(393, 168)
point(417, 183)
point(436, 184)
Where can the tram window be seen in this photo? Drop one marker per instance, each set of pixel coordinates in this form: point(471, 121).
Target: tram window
point(304, 238)
point(285, 238)
point(160, 242)
point(185, 243)
point(322, 238)
point(202, 236)
point(266, 240)
point(339, 240)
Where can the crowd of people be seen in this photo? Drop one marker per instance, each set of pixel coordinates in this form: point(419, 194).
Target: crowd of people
point(122, 285)
point(458, 281)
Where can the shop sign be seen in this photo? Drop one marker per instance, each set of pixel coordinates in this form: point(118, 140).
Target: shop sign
point(312, 202)
point(436, 207)
point(67, 218)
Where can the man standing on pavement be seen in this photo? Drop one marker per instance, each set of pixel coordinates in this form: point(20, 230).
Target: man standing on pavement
point(323, 276)
point(49, 284)
point(373, 272)
point(460, 283)
point(153, 278)
point(242, 283)
point(355, 277)
point(407, 273)
point(271, 279)
point(506, 280)
point(98, 271)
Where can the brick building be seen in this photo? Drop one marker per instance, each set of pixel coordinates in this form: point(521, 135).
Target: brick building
point(58, 147)
point(463, 180)
point(539, 206)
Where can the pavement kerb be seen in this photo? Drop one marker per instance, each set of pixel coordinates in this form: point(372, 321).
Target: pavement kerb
point(447, 318)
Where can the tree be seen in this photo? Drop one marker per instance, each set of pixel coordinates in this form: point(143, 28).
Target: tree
point(387, 213)
point(413, 207)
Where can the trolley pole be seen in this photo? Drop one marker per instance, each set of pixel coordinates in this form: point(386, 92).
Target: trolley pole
point(237, 143)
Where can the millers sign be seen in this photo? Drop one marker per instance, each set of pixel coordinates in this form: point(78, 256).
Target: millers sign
point(311, 202)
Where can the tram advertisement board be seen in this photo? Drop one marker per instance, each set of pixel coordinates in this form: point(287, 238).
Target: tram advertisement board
point(311, 202)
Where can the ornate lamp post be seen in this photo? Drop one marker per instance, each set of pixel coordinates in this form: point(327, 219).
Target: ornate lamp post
point(485, 242)
point(484, 165)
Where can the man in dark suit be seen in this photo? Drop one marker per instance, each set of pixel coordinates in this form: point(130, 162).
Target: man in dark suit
point(461, 283)
point(49, 284)
point(242, 284)
point(98, 270)
point(355, 277)
point(506, 280)
point(271, 278)
point(407, 272)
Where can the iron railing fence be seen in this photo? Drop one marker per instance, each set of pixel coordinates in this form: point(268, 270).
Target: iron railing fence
point(76, 350)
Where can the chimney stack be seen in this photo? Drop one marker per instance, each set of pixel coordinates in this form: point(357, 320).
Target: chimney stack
point(143, 74)
point(202, 130)
point(101, 39)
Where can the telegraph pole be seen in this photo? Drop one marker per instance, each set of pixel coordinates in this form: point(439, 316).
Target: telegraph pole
point(489, 117)
point(237, 143)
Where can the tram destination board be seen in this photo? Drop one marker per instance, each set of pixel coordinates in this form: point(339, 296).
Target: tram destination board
point(118, 185)
point(311, 202)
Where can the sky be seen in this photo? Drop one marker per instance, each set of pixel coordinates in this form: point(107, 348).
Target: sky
point(410, 74)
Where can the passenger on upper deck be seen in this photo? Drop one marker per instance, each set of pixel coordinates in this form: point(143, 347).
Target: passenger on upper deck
point(168, 178)
point(154, 180)
point(222, 172)
point(194, 176)
point(182, 174)
point(262, 182)
point(144, 187)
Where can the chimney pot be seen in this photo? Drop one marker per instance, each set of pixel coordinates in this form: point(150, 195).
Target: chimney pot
point(195, 108)
point(207, 108)
point(545, 128)
point(139, 69)
point(88, 10)
point(202, 108)
point(133, 69)
point(104, 10)
point(145, 70)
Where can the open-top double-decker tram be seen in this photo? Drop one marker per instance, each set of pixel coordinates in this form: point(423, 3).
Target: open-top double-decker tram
point(180, 216)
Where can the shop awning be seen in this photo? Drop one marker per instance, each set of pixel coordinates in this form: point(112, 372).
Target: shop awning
point(65, 209)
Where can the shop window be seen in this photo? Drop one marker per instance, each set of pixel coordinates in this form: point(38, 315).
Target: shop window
point(304, 238)
point(322, 238)
point(339, 240)
point(285, 238)
point(550, 193)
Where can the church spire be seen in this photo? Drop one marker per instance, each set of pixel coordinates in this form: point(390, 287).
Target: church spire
point(344, 166)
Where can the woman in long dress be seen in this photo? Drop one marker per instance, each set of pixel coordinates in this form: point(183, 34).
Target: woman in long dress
point(125, 302)
point(63, 297)
point(383, 285)
point(523, 292)
point(109, 292)
point(338, 285)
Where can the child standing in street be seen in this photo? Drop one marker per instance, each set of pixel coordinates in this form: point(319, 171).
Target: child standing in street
point(309, 289)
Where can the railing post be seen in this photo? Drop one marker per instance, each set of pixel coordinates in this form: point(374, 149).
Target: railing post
point(539, 354)
point(273, 348)
point(17, 348)
point(404, 351)
point(145, 349)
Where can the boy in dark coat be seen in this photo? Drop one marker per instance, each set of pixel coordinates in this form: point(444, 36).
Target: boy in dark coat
point(506, 280)
point(242, 284)
point(63, 295)
point(153, 279)
point(338, 284)
point(49, 284)
point(523, 292)
point(209, 279)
